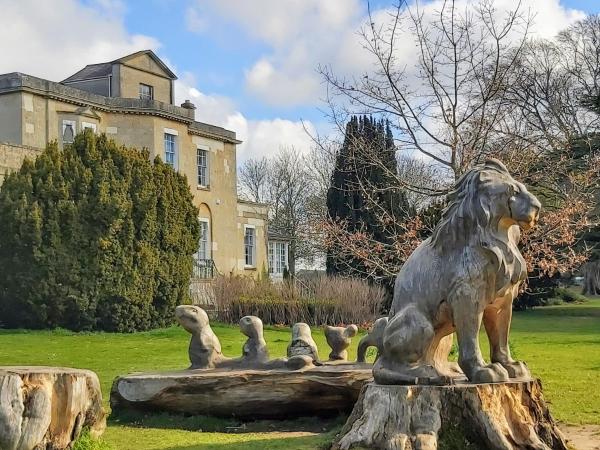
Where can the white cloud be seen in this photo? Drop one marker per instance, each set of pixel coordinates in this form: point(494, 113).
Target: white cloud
point(55, 39)
point(260, 137)
point(304, 34)
point(300, 34)
point(265, 137)
point(278, 87)
point(194, 21)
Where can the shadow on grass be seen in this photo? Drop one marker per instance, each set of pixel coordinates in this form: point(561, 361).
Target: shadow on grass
point(172, 422)
point(219, 425)
point(318, 442)
point(564, 311)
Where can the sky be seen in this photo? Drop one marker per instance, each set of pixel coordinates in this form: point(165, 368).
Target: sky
point(248, 65)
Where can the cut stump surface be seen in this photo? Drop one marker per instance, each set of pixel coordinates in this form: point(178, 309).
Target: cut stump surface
point(498, 416)
point(48, 407)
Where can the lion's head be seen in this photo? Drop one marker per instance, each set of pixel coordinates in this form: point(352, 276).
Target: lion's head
point(486, 202)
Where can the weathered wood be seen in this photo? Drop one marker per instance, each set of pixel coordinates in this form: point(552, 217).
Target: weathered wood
point(48, 407)
point(253, 394)
point(498, 416)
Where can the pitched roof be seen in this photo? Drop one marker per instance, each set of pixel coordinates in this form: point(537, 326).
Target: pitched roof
point(104, 69)
point(152, 55)
point(91, 71)
point(275, 234)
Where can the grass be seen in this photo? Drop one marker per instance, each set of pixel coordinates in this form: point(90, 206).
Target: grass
point(561, 345)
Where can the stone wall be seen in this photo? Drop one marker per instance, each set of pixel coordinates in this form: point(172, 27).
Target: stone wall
point(12, 156)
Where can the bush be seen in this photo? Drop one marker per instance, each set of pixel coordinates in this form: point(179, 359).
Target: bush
point(569, 296)
point(324, 300)
point(552, 295)
point(95, 237)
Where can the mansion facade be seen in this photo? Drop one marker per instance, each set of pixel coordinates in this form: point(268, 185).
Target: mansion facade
point(131, 99)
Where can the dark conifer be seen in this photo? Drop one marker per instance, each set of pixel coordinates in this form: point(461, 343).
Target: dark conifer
point(367, 159)
point(95, 236)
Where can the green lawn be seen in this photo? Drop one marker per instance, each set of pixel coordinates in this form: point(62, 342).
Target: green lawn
point(561, 344)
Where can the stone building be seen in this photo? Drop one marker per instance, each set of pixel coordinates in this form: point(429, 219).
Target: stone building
point(131, 99)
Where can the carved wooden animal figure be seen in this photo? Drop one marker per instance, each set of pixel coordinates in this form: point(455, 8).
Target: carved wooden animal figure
point(205, 349)
point(373, 339)
point(255, 348)
point(339, 339)
point(255, 354)
point(302, 342)
point(466, 273)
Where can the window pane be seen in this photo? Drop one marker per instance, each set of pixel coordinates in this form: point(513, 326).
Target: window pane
point(203, 243)
point(146, 92)
point(202, 164)
point(85, 125)
point(271, 259)
point(281, 263)
point(170, 149)
point(68, 131)
point(249, 246)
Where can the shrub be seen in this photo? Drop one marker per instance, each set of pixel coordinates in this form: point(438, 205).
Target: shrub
point(569, 296)
point(324, 300)
point(550, 296)
point(95, 237)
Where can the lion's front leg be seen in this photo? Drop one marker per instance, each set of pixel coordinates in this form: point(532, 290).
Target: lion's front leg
point(497, 325)
point(467, 321)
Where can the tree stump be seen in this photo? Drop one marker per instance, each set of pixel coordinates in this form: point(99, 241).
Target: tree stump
point(499, 416)
point(249, 394)
point(48, 407)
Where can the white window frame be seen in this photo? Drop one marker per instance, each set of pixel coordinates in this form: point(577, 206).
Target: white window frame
point(143, 96)
point(73, 124)
point(207, 241)
point(252, 264)
point(89, 125)
point(173, 152)
point(206, 178)
point(277, 265)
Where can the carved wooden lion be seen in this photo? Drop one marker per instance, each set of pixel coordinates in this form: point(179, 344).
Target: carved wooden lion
point(467, 272)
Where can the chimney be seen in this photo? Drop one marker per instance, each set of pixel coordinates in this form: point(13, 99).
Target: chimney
point(189, 105)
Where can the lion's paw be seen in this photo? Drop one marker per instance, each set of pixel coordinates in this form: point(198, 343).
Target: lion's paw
point(454, 368)
point(494, 373)
point(517, 369)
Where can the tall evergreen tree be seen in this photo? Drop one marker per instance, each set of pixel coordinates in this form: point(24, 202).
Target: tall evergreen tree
point(363, 194)
point(95, 236)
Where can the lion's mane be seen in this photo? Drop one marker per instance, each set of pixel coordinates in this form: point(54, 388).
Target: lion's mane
point(467, 221)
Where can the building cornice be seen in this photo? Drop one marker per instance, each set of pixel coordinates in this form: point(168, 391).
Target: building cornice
point(212, 132)
point(18, 82)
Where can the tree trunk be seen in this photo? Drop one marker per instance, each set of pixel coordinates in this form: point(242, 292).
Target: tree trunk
point(252, 394)
point(292, 257)
point(591, 273)
point(48, 407)
point(501, 416)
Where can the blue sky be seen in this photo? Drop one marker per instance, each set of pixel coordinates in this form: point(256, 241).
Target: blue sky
point(219, 59)
point(249, 65)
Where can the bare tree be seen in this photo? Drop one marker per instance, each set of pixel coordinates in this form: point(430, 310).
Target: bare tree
point(290, 188)
point(253, 179)
point(420, 174)
point(285, 182)
point(447, 104)
point(478, 87)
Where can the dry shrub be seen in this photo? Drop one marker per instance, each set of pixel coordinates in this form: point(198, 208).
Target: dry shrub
point(323, 300)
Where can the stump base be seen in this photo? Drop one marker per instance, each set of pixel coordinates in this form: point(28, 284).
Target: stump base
point(48, 407)
point(495, 416)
